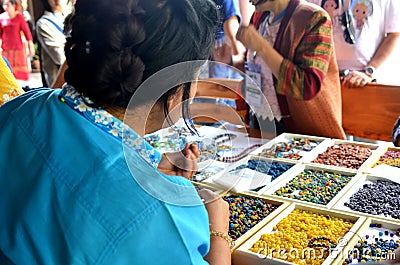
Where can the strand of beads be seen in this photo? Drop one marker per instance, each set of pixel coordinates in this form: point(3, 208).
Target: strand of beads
point(377, 245)
point(379, 198)
point(316, 186)
point(291, 237)
point(290, 149)
point(220, 139)
point(321, 242)
point(391, 158)
point(344, 155)
point(246, 212)
point(235, 158)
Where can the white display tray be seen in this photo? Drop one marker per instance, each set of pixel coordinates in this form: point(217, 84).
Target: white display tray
point(300, 168)
point(364, 179)
point(242, 256)
point(285, 137)
point(383, 169)
point(245, 180)
point(365, 229)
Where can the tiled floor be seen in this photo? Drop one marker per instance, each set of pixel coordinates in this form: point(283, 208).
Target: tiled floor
point(34, 81)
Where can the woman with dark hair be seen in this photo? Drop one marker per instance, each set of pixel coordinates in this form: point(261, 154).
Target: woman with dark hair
point(79, 183)
point(12, 24)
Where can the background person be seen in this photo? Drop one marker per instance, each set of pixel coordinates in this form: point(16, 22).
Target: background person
point(50, 35)
point(9, 87)
point(227, 49)
point(74, 198)
point(12, 23)
point(376, 27)
point(292, 45)
point(396, 138)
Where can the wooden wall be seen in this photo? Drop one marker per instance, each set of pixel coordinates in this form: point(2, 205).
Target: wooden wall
point(371, 111)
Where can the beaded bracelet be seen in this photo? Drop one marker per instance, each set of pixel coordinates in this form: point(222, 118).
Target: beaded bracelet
point(224, 236)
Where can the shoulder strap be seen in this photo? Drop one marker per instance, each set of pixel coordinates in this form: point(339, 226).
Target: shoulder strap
point(55, 24)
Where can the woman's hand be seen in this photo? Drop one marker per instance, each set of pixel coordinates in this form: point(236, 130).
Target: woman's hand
point(218, 215)
point(31, 49)
point(250, 38)
point(217, 208)
point(183, 163)
point(356, 79)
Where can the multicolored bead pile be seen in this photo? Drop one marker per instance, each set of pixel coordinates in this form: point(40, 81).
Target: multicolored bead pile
point(290, 149)
point(344, 155)
point(301, 231)
point(274, 169)
point(378, 245)
point(391, 158)
point(246, 212)
point(207, 151)
point(173, 140)
point(316, 186)
point(379, 198)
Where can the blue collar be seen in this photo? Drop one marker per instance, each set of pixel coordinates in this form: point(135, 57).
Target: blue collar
point(109, 124)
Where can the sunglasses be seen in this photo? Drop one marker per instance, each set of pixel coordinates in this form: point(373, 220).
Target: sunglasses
point(348, 34)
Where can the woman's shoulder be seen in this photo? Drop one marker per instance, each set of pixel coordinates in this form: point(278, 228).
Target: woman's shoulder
point(307, 7)
point(30, 99)
point(19, 16)
point(309, 13)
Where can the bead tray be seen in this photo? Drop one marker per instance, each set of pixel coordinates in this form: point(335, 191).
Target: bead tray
point(364, 179)
point(280, 207)
point(376, 150)
point(373, 168)
point(247, 175)
point(360, 235)
point(269, 192)
point(285, 137)
point(242, 255)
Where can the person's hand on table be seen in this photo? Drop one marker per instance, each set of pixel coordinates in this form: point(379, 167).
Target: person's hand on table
point(182, 163)
point(356, 79)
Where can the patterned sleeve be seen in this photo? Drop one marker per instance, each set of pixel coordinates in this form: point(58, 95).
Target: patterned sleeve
point(302, 78)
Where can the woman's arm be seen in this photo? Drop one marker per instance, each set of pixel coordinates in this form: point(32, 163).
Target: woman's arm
point(218, 215)
point(300, 78)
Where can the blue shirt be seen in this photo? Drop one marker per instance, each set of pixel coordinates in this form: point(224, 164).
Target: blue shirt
point(75, 192)
point(227, 9)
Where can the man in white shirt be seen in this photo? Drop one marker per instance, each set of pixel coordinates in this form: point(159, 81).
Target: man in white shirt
point(375, 26)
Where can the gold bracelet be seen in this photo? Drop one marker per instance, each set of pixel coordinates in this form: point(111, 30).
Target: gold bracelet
point(224, 236)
